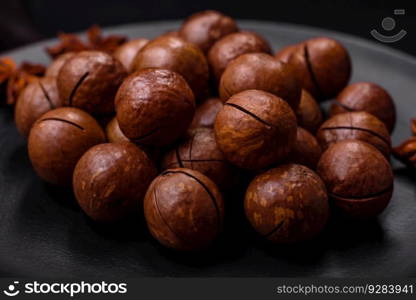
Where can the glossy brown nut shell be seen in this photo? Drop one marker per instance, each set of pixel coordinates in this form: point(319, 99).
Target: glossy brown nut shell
point(284, 53)
point(184, 209)
point(128, 51)
point(200, 152)
point(255, 129)
point(309, 114)
point(358, 177)
point(369, 97)
point(114, 133)
point(287, 204)
point(57, 141)
point(54, 68)
point(89, 81)
point(306, 150)
point(175, 54)
point(323, 66)
point(206, 113)
point(110, 181)
point(35, 100)
point(260, 71)
point(206, 27)
point(231, 47)
point(154, 107)
point(355, 125)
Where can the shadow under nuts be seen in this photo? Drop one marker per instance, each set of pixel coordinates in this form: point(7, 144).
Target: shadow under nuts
point(358, 177)
point(369, 97)
point(206, 27)
point(323, 66)
point(154, 107)
point(201, 153)
point(184, 209)
point(175, 54)
point(355, 125)
point(35, 100)
point(89, 81)
point(231, 47)
point(260, 71)
point(110, 180)
point(58, 140)
point(287, 204)
point(255, 129)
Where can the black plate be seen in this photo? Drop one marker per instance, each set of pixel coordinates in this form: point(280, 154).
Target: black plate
point(42, 231)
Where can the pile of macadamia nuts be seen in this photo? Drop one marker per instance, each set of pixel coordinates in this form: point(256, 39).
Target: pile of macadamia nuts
point(166, 127)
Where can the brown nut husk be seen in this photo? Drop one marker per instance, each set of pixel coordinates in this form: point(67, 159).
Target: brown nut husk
point(55, 67)
point(175, 54)
point(368, 97)
point(355, 125)
point(89, 81)
point(309, 114)
point(110, 181)
point(306, 150)
point(154, 107)
point(206, 113)
point(128, 51)
point(200, 152)
point(286, 52)
point(255, 129)
point(287, 204)
point(35, 100)
point(323, 66)
point(184, 209)
point(358, 177)
point(260, 71)
point(206, 27)
point(114, 133)
point(57, 141)
point(231, 47)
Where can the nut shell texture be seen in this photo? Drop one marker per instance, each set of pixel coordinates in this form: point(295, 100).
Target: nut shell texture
point(184, 209)
point(110, 180)
point(287, 204)
point(154, 107)
point(57, 141)
point(260, 71)
point(358, 177)
point(175, 54)
point(89, 81)
point(255, 129)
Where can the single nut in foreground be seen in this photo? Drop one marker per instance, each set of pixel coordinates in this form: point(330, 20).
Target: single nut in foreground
point(323, 66)
point(309, 114)
point(89, 81)
point(57, 141)
point(200, 152)
point(154, 107)
point(206, 113)
point(36, 99)
point(368, 97)
point(358, 177)
point(287, 204)
point(306, 150)
point(231, 47)
point(184, 209)
point(260, 71)
point(110, 181)
point(173, 53)
point(206, 27)
point(255, 129)
point(128, 51)
point(355, 125)
point(114, 133)
point(55, 67)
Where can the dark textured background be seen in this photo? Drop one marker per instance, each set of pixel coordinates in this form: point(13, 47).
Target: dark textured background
point(25, 21)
